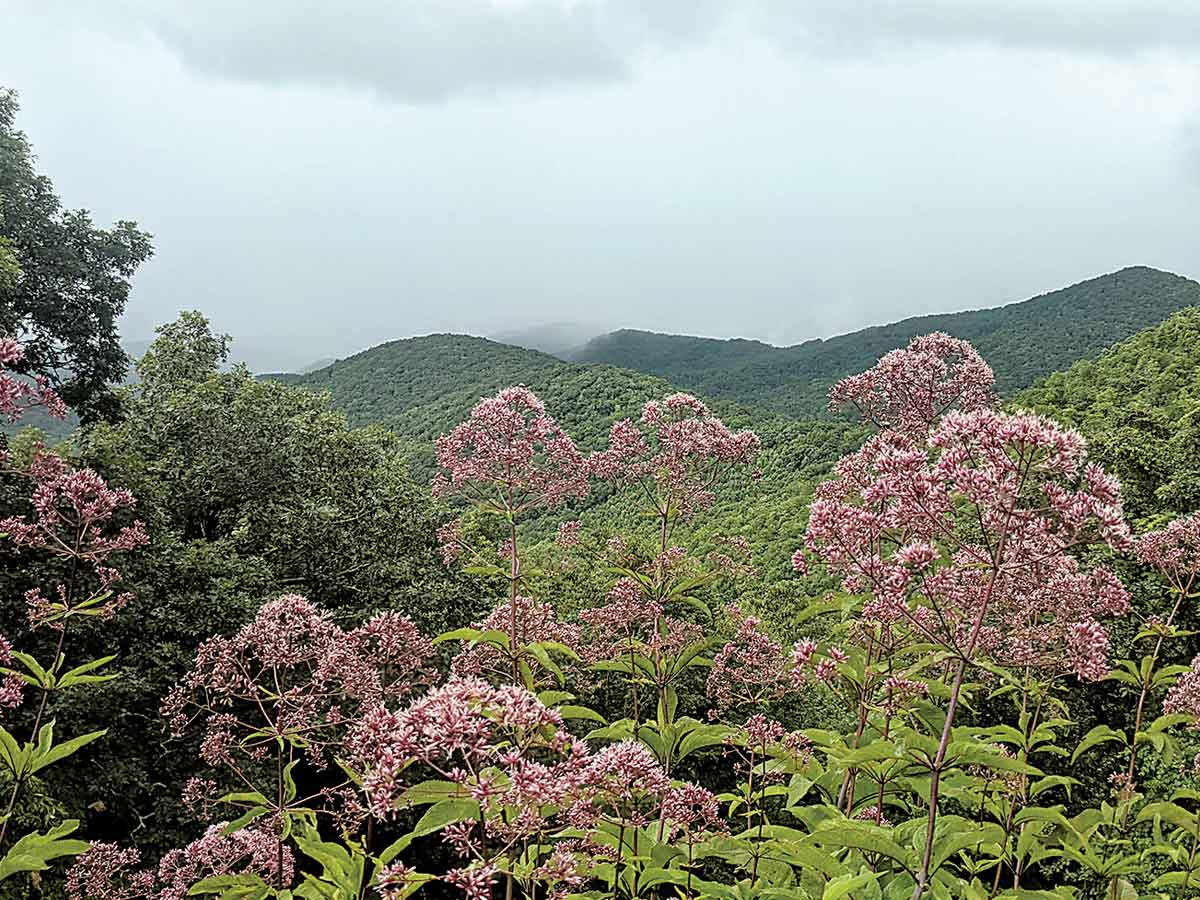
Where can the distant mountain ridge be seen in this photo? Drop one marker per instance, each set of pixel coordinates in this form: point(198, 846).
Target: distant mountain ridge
point(1023, 341)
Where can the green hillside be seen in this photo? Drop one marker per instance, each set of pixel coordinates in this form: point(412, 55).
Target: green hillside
point(1158, 368)
point(1139, 405)
point(1023, 342)
point(422, 387)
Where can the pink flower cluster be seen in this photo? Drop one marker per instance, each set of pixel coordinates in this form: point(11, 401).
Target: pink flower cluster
point(569, 534)
point(1174, 551)
point(510, 455)
point(761, 738)
point(1184, 695)
point(108, 872)
point(632, 623)
point(18, 394)
point(73, 508)
point(908, 390)
point(12, 686)
point(621, 784)
point(976, 528)
point(625, 623)
point(531, 779)
point(752, 668)
point(458, 730)
point(692, 811)
point(678, 452)
point(73, 522)
point(288, 674)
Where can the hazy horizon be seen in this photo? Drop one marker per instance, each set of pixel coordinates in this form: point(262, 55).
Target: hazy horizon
point(722, 168)
point(241, 351)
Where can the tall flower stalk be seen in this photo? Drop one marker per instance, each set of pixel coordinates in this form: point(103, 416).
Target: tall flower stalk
point(74, 523)
point(674, 457)
point(1174, 552)
point(961, 525)
point(508, 459)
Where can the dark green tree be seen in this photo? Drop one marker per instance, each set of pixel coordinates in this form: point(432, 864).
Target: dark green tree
point(249, 489)
point(63, 281)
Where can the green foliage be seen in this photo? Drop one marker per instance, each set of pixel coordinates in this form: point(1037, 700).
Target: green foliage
point(249, 489)
point(34, 852)
point(63, 281)
point(422, 387)
point(1138, 404)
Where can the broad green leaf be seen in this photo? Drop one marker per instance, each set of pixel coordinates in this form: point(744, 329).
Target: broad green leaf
point(437, 817)
point(54, 753)
point(1099, 735)
point(33, 852)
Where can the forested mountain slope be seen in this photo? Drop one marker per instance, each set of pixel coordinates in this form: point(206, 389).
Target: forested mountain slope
point(1023, 342)
point(1138, 403)
point(421, 387)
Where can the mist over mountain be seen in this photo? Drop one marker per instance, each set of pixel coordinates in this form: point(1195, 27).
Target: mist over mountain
point(562, 339)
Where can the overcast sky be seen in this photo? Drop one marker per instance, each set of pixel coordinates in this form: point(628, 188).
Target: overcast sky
point(322, 176)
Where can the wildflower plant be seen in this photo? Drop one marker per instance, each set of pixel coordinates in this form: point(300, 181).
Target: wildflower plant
point(507, 460)
point(967, 542)
point(75, 524)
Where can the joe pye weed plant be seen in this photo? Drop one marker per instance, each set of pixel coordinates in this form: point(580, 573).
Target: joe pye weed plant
point(354, 760)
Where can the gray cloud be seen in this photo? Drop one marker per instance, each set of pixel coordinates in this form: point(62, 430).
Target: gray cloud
point(426, 50)
point(415, 50)
point(660, 164)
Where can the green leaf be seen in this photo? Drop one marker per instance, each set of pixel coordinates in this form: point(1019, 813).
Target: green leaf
point(33, 852)
point(232, 887)
point(1052, 781)
point(958, 834)
point(83, 674)
point(437, 817)
point(538, 652)
point(702, 737)
point(40, 676)
point(581, 712)
point(1099, 735)
point(844, 885)
point(862, 836)
point(14, 757)
point(53, 754)
point(430, 792)
point(1171, 813)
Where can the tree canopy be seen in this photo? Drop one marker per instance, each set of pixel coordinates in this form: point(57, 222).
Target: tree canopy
point(64, 281)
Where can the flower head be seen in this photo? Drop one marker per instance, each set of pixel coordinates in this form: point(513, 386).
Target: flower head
point(679, 448)
point(908, 390)
point(510, 454)
point(979, 524)
point(1174, 551)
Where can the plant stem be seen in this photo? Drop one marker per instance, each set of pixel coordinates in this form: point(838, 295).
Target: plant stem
point(513, 573)
point(1146, 682)
point(944, 743)
point(19, 778)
